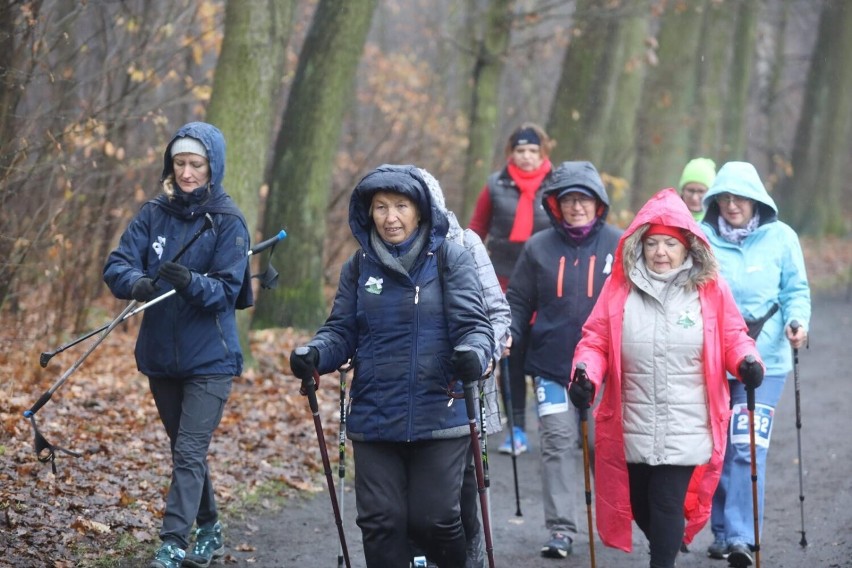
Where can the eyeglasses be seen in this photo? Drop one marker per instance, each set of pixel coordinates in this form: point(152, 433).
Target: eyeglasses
point(584, 200)
point(725, 198)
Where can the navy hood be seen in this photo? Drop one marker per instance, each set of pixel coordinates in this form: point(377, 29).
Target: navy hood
point(404, 179)
point(567, 175)
point(213, 141)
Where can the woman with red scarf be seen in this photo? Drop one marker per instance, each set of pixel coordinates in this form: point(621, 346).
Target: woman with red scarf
point(507, 212)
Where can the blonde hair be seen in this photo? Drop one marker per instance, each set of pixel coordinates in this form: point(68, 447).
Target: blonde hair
point(169, 186)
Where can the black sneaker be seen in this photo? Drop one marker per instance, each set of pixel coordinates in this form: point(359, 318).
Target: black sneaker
point(719, 550)
point(739, 556)
point(559, 546)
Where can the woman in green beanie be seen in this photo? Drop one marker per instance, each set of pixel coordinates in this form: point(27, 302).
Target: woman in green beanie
point(697, 177)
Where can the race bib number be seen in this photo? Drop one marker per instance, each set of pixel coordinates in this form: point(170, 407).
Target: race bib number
point(552, 397)
point(763, 416)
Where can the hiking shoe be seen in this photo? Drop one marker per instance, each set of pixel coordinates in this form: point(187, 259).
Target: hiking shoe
point(520, 442)
point(208, 546)
point(739, 556)
point(169, 555)
point(559, 546)
point(718, 550)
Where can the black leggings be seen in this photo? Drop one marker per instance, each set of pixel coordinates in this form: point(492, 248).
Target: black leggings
point(657, 494)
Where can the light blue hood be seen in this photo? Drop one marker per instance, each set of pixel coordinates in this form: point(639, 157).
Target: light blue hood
point(742, 179)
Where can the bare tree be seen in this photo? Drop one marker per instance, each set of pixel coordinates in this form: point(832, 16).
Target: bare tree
point(87, 92)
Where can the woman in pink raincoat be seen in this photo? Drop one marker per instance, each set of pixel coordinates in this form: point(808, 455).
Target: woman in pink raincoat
point(662, 334)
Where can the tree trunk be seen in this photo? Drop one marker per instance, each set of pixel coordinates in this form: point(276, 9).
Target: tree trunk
point(712, 73)
point(617, 159)
point(667, 118)
point(246, 85)
point(585, 93)
point(809, 198)
point(485, 101)
point(301, 174)
point(593, 114)
point(742, 64)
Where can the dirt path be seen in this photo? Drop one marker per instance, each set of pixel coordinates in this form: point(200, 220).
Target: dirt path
point(304, 534)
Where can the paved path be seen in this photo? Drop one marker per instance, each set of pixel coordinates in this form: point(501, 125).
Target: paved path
point(304, 534)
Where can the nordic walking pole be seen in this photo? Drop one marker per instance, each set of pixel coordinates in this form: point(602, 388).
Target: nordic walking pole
point(507, 404)
point(470, 405)
point(794, 326)
point(208, 224)
point(753, 449)
point(45, 451)
point(484, 443)
point(309, 388)
point(46, 356)
point(341, 442)
point(580, 376)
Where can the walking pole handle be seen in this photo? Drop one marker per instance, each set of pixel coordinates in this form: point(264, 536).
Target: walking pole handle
point(38, 404)
point(263, 245)
point(580, 376)
point(750, 391)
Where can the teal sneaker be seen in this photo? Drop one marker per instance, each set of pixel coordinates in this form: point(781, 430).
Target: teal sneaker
point(169, 555)
point(209, 545)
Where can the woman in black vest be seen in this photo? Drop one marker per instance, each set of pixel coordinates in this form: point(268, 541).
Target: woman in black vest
point(507, 213)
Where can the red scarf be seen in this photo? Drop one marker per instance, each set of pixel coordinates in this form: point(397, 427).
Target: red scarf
point(528, 183)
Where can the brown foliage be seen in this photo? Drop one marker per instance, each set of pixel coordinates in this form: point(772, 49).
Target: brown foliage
point(114, 493)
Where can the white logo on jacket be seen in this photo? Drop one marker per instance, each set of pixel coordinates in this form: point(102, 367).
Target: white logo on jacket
point(158, 246)
point(373, 285)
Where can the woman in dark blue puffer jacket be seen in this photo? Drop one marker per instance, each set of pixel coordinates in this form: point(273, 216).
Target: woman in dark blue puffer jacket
point(414, 336)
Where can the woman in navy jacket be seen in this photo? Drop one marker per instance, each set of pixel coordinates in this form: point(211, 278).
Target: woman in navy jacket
point(188, 345)
point(414, 336)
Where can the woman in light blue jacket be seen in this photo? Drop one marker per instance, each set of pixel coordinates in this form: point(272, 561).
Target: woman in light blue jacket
point(761, 259)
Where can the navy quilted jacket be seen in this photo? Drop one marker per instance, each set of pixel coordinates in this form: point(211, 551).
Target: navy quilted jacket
point(401, 334)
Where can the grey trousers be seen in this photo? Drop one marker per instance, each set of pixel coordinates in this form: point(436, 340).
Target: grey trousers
point(561, 469)
point(190, 409)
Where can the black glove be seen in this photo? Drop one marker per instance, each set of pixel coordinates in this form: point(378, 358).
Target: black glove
point(466, 366)
point(143, 289)
point(175, 274)
point(751, 372)
point(581, 391)
point(303, 362)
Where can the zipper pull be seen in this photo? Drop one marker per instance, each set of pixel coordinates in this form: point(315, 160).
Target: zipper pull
point(416, 295)
point(450, 403)
point(608, 265)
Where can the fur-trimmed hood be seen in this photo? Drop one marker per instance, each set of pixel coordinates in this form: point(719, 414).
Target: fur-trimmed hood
point(666, 208)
